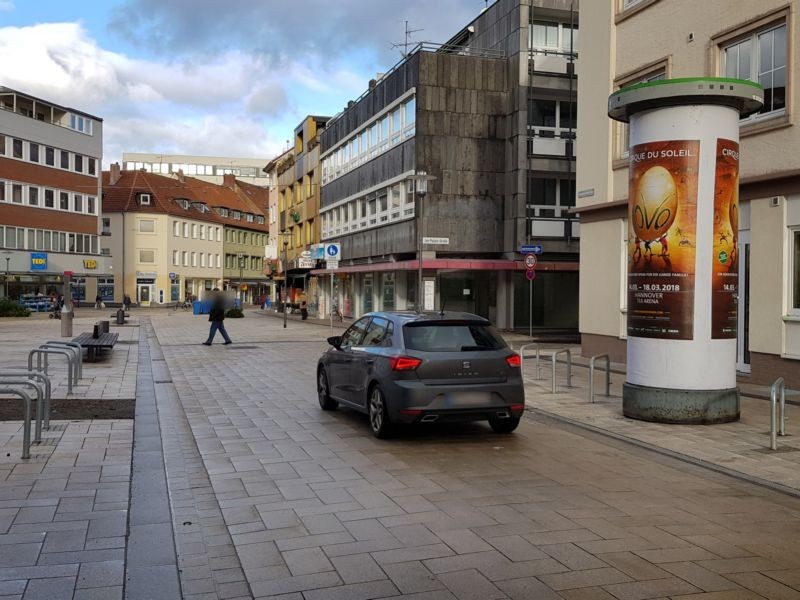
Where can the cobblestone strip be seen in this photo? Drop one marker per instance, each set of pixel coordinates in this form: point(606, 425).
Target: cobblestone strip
point(209, 566)
point(152, 566)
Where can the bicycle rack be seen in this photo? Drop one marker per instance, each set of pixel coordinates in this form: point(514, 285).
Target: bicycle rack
point(78, 353)
point(591, 375)
point(38, 387)
point(777, 427)
point(522, 357)
point(39, 352)
point(26, 418)
point(569, 367)
point(44, 379)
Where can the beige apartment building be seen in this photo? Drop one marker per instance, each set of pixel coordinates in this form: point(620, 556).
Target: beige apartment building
point(212, 169)
point(634, 41)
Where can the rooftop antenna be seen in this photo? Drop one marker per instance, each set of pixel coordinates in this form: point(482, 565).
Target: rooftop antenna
point(405, 44)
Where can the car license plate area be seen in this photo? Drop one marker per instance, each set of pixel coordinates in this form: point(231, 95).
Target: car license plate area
point(464, 399)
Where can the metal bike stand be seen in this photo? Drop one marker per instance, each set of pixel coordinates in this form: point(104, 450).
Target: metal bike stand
point(78, 352)
point(522, 357)
point(777, 426)
point(26, 418)
point(77, 355)
point(39, 352)
point(38, 387)
point(569, 367)
point(45, 380)
point(591, 375)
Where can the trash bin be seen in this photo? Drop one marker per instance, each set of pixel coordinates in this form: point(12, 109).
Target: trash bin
point(104, 326)
point(196, 307)
point(120, 317)
point(237, 303)
point(66, 324)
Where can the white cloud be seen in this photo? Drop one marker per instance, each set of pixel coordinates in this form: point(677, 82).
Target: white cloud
point(6, 5)
point(219, 105)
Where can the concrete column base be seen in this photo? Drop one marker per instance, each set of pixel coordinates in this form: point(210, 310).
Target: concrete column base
point(688, 407)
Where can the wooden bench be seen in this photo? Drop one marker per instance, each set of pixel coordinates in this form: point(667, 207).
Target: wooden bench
point(94, 344)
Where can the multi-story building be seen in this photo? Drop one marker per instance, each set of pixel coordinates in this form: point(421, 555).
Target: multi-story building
point(206, 168)
point(50, 198)
point(491, 116)
point(245, 239)
point(167, 235)
point(632, 41)
point(298, 206)
point(273, 251)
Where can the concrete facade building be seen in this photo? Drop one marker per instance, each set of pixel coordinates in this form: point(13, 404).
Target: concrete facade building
point(489, 116)
point(631, 44)
point(50, 198)
point(206, 168)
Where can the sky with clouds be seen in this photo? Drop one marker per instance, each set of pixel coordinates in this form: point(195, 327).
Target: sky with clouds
point(230, 78)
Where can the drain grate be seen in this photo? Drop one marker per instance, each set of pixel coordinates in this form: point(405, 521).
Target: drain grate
point(128, 342)
point(163, 381)
point(235, 347)
point(58, 427)
point(49, 442)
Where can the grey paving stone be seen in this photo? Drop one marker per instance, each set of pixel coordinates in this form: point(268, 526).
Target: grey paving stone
point(56, 588)
point(101, 574)
point(8, 588)
point(656, 588)
point(355, 591)
point(357, 568)
point(101, 593)
point(146, 583)
point(412, 577)
point(19, 555)
point(471, 585)
point(307, 561)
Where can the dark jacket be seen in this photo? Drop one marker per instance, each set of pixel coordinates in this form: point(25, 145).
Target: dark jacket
point(217, 312)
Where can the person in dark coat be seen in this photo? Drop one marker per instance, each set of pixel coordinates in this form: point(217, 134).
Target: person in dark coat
point(216, 316)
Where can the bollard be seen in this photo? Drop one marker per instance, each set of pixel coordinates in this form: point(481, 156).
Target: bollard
point(66, 323)
point(120, 317)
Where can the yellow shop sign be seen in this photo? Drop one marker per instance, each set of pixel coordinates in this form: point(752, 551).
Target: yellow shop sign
point(89, 263)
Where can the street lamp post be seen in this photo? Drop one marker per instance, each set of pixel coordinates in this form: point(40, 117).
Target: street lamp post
point(240, 256)
point(8, 270)
point(285, 235)
point(421, 179)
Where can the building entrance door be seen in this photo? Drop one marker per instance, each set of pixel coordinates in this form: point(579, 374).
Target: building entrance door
point(145, 294)
point(743, 305)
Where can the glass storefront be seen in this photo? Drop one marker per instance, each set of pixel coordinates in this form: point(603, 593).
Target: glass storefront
point(469, 291)
point(105, 289)
point(555, 300)
point(387, 291)
point(367, 292)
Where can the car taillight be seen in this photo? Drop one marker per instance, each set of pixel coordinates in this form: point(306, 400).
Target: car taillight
point(404, 363)
point(514, 360)
point(517, 408)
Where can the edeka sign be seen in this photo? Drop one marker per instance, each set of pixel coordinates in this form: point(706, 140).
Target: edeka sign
point(725, 257)
point(662, 223)
point(89, 263)
point(38, 261)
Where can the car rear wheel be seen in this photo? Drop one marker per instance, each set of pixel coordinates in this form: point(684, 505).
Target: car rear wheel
point(378, 415)
point(504, 425)
point(323, 392)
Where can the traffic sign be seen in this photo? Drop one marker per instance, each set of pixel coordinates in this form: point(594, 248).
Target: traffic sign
point(332, 251)
point(530, 274)
point(331, 264)
point(530, 261)
point(528, 249)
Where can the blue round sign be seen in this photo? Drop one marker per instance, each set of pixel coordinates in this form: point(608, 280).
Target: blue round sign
point(332, 250)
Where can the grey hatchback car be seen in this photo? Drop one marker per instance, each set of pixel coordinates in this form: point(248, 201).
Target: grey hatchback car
point(406, 367)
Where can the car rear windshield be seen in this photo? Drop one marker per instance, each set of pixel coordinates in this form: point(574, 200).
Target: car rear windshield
point(451, 337)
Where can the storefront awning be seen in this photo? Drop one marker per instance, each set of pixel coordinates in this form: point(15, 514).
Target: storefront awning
point(451, 264)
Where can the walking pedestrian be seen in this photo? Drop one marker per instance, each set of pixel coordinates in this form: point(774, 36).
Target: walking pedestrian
point(97, 302)
point(216, 316)
point(126, 302)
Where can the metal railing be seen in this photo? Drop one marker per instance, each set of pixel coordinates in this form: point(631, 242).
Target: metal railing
point(78, 353)
point(44, 380)
point(26, 418)
point(569, 367)
point(522, 358)
point(39, 352)
point(591, 375)
point(777, 426)
point(38, 388)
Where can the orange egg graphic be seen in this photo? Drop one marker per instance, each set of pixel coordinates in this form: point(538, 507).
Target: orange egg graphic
point(655, 204)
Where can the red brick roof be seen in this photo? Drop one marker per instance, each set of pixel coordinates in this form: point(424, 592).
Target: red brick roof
point(165, 190)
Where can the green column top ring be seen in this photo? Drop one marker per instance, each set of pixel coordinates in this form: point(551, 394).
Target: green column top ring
point(745, 96)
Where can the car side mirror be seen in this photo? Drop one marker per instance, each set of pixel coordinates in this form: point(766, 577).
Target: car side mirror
point(335, 341)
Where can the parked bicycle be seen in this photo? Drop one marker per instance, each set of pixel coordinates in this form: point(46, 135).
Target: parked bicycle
point(336, 313)
point(185, 305)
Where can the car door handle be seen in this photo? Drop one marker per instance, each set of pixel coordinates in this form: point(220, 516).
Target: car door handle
point(370, 361)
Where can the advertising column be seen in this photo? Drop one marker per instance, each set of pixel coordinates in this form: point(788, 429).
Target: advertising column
point(682, 235)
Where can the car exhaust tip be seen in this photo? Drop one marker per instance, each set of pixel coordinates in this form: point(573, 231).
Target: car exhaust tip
point(503, 415)
point(429, 418)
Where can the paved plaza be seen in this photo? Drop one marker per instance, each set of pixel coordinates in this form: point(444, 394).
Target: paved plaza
point(231, 483)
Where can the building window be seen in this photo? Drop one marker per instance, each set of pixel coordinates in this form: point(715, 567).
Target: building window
point(550, 197)
point(16, 148)
point(219, 235)
point(194, 231)
point(91, 205)
point(186, 230)
point(92, 166)
point(78, 203)
point(2, 192)
point(795, 272)
point(552, 35)
point(203, 259)
point(106, 226)
point(49, 198)
point(64, 159)
point(33, 152)
point(147, 256)
point(194, 259)
point(202, 232)
point(33, 196)
point(185, 258)
point(2, 149)
point(50, 156)
point(147, 226)
point(761, 57)
point(63, 200)
point(623, 130)
point(16, 194)
point(78, 164)
point(176, 229)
